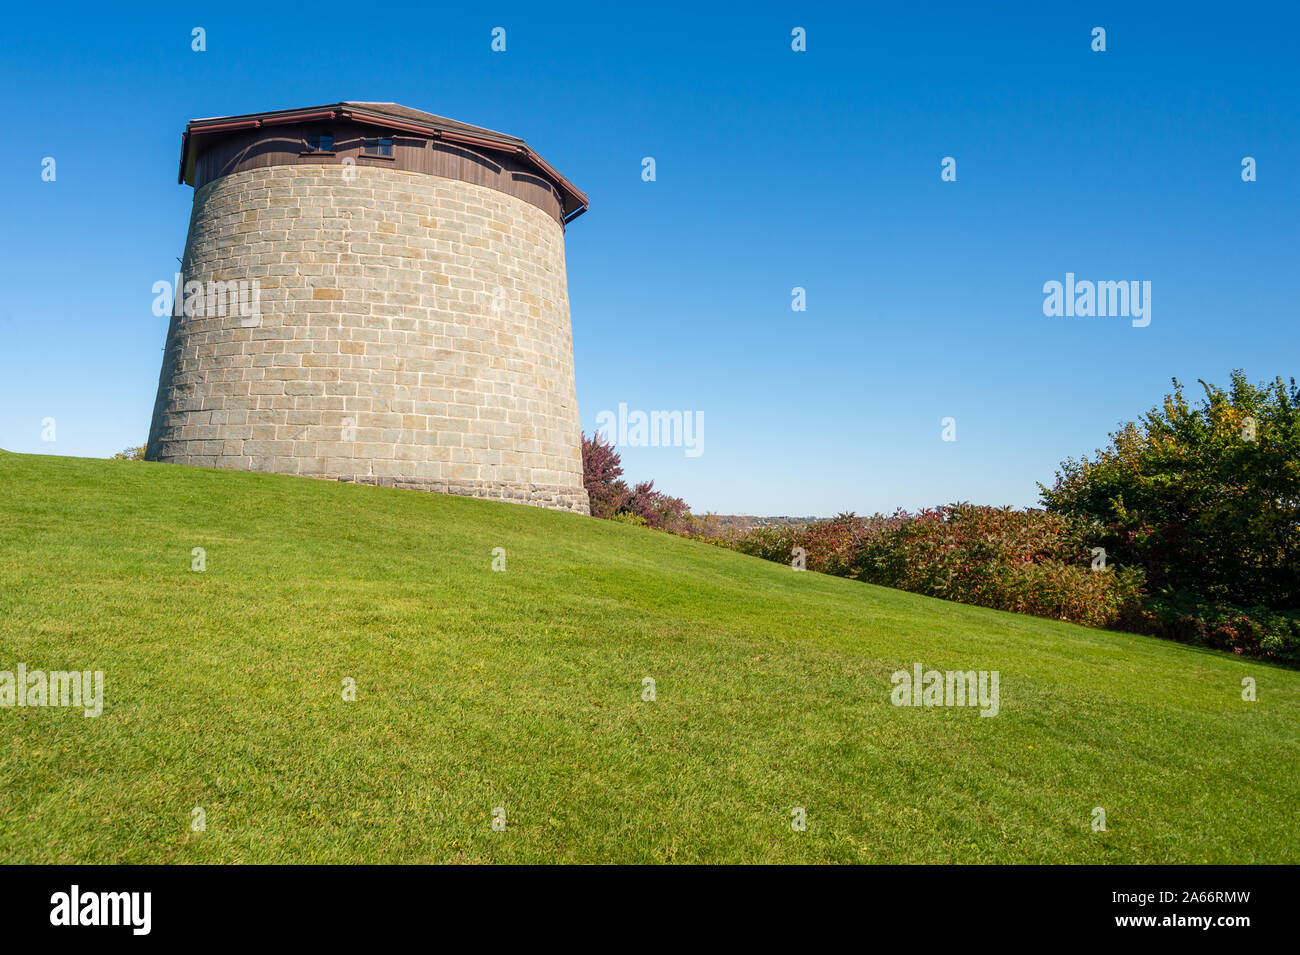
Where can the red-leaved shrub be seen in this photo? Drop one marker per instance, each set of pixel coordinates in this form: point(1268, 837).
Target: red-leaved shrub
point(1031, 561)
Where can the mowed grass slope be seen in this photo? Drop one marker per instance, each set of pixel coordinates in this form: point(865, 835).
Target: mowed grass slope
point(522, 690)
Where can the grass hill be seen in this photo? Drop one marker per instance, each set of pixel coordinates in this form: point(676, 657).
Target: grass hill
point(522, 689)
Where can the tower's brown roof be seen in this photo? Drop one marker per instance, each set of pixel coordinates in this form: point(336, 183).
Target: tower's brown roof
point(391, 116)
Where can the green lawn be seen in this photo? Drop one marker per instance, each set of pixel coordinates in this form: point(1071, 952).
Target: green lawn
point(522, 690)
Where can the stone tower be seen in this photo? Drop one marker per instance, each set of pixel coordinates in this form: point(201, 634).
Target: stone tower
point(373, 293)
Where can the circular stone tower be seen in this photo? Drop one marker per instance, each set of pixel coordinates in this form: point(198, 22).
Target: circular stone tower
point(372, 293)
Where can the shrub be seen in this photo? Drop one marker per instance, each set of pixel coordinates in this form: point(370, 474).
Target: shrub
point(610, 497)
point(1024, 561)
point(1205, 498)
point(601, 470)
point(623, 517)
point(769, 543)
point(1067, 592)
point(1256, 631)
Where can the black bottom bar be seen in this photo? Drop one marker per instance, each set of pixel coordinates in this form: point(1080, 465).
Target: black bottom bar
point(940, 904)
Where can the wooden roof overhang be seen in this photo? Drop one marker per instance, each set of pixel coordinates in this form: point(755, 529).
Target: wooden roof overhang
point(396, 118)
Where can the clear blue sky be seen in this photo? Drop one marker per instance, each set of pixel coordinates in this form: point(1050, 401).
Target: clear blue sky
point(775, 169)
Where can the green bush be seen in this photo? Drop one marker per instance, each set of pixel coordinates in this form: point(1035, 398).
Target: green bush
point(1256, 631)
point(1205, 498)
point(770, 543)
point(624, 517)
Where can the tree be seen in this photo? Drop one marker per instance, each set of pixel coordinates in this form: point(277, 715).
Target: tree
point(1205, 498)
point(602, 471)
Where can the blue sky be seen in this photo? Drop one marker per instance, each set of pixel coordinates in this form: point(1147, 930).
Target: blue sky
point(775, 169)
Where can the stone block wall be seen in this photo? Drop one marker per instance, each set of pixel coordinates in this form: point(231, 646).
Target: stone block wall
point(413, 331)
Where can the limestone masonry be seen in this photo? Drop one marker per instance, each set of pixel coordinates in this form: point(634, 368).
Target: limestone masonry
point(408, 328)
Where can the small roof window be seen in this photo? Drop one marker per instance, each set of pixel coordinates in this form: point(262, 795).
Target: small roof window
point(322, 142)
point(378, 146)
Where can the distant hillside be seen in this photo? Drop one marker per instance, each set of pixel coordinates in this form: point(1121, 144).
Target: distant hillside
point(744, 522)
